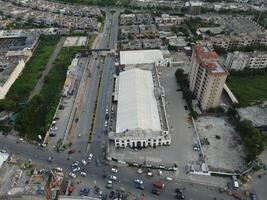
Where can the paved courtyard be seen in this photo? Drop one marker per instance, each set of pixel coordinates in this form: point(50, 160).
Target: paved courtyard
point(183, 136)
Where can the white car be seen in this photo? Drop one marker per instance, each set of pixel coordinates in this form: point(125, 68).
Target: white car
point(83, 174)
point(149, 173)
point(75, 164)
point(114, 178)
point(160, 172)
point(76, 169)
point(90, 156)
point(168, 179)
point(106, 111)
point(59, 169)
point(54, 128)
point(138, 181)
point(72, 175)
point(106, 123)
point(84, 162)
point(114, 170)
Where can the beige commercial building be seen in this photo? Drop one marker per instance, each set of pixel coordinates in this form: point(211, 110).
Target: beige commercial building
point(206, 77)
point(240, 60)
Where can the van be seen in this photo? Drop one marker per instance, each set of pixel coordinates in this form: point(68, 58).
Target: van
point(168, 179)
point(235, 181)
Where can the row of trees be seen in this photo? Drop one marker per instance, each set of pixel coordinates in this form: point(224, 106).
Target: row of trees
point(182, 80)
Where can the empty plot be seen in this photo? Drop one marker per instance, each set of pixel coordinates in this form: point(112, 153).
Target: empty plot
point(75, 41)
point(221, 144)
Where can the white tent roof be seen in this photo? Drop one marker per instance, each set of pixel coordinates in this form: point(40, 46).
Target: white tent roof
point(137, 106)
point(140, 56)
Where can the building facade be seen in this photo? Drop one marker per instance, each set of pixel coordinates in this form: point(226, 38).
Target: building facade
point(240, 60)
point(206, 77)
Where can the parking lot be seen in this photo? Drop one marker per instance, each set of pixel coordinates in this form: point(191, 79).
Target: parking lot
point(221, 144)
point(63, 114)
point(180, 151)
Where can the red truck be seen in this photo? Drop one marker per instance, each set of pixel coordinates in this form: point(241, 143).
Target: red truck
point(158, 184)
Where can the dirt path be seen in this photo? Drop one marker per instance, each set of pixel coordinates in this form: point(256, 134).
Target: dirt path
point(48, 67)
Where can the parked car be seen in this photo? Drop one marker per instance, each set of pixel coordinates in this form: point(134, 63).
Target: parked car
point(72, 151)
point(72, 175)
point(84, 162)
point(179, 196)
point(75, 164)
point(149, 173)
point(90, 156)
point(83, 173)
point(139, 186)
point(114, 170)
point(114, 178)
point(178, 190)
point(160, 172)
point(84, 191)
point(168, 179)
point(98, 163)
point(158, 184)
point(76, 169)
point(253, 196)
point(111, 194)
point(109, 184)
point(235, 181)
point(154, 191)
point(138, 181)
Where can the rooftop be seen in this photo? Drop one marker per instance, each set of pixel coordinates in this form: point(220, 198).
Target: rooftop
point(140, 56)
point(256, 114)
point(208, 59)
point(137, 105)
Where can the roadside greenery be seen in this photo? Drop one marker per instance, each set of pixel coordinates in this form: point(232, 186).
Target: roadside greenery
point(182, 80)
point(36, 116)
point(20, 90)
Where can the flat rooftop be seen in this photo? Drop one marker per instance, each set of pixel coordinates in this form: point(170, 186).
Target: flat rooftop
point(256, 114)
point(15, 43)
point(208, 59)
point(7, 66)
point(140, 56)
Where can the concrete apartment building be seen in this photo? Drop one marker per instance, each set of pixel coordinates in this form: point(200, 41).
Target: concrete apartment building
point(206, 76)
point(240, 60)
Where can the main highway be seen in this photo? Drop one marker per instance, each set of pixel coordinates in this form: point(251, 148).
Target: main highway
point(104, 69)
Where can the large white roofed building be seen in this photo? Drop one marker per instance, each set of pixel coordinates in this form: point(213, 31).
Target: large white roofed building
point(142, 57)
point(141, 121)
point(137, 106)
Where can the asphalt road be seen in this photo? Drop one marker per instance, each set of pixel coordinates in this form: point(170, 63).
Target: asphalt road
point(94, 176)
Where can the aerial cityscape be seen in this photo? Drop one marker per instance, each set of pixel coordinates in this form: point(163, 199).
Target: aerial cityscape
point(133, 99)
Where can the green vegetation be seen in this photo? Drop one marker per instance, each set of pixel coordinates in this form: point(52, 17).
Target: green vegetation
point(217, 109)
point(249, 88)
point(91, 39)
point(254, 141)
point(36, 116)
point(20, 90)
point(182, 80)
point(195, 23)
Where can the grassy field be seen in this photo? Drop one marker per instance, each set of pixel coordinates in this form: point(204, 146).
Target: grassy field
point(249, 89)
point(37, 115)
point(20, 90)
